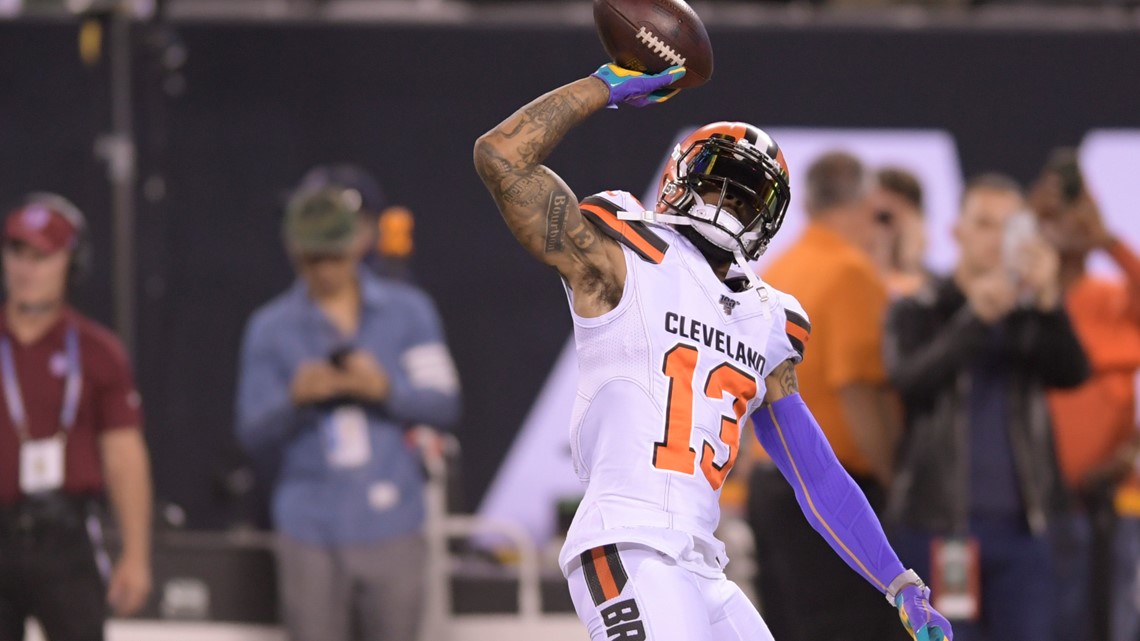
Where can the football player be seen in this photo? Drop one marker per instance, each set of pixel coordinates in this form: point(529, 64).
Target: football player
point(678, 342)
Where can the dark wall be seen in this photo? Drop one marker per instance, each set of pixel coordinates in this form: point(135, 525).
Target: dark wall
point(263, 103)
point(52, 108)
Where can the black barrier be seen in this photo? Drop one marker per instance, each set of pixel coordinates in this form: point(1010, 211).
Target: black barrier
point(262, 103)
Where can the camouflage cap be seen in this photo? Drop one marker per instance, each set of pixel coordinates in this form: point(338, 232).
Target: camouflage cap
point(322, 220)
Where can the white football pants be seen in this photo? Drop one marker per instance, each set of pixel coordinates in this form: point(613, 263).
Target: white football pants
point(628, 592)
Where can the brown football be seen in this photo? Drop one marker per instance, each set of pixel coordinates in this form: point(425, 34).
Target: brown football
point(651, 35)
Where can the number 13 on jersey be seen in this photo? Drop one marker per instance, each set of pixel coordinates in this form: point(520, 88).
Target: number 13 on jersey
point(675, 453)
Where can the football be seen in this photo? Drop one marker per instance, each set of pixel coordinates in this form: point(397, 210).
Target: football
point(651, 35)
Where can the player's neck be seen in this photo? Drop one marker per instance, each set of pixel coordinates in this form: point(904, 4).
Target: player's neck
point(718, 259)
point(28, 322)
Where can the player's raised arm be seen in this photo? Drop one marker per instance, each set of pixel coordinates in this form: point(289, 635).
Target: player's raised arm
point(540, 209)
point(836, 507)
point(538, 206)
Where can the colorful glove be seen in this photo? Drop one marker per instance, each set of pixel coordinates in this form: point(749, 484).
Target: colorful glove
point(922, 621)
point(636, 88)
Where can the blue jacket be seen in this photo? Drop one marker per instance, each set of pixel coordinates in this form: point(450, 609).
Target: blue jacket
point(313, 501)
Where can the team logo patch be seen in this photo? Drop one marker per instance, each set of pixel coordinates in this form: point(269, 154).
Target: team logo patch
point(728, 304)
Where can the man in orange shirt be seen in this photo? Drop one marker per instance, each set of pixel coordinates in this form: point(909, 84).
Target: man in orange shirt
point(1094, 424)
point(830, 272)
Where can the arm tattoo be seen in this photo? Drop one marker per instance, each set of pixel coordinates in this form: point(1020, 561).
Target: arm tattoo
point(524, 189)
point(788, 379)
point(550, 119)
point(539, 208)
point(583, 235)
point(781, 382)
point(556, 220)
point(541, 211)
point(529, 136)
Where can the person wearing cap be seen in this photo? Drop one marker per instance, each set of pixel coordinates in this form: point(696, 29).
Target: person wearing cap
point(69, 427)
point(333, 371)
point(390, 244)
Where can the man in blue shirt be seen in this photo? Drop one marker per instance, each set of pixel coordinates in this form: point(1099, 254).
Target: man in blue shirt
point(333, 371)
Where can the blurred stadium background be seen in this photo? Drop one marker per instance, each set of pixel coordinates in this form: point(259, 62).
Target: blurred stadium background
point(179, 126)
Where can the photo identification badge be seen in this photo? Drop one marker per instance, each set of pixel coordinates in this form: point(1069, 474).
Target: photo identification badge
point(41, 465)
point(956, 577)
point(346, 438)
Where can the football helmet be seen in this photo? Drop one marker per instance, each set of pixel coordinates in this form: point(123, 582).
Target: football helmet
point(721, 168)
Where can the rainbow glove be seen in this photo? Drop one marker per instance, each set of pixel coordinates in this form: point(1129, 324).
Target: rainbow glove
point(636, 88)
point(922, 621)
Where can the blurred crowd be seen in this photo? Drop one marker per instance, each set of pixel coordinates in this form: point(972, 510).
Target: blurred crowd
point(989, 414)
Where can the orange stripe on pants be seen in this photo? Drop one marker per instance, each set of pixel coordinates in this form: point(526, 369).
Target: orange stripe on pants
point(605, 577)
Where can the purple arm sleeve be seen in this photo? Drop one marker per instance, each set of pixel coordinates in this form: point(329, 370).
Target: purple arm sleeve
point(830, 500)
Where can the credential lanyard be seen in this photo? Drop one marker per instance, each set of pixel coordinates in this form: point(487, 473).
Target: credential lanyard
point(71, 391)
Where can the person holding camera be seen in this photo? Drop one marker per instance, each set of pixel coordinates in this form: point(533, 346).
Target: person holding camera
point(977, 480)
point(70, 428)
point(332, 373)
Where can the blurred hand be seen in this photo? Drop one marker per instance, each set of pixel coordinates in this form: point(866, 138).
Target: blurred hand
point(991, 296)
point(129, 586)
point(1037, 268)
point(315, 381)
point(365, 377)
point(1089, 220)
point(1077, 226)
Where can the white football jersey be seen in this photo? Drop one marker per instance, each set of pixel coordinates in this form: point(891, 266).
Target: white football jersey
point(666, 380)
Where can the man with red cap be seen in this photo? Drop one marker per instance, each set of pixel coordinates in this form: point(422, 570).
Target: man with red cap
point(69, 425)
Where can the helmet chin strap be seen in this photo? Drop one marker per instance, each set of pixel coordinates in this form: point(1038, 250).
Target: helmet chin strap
point(754, 280)
point(653, 217)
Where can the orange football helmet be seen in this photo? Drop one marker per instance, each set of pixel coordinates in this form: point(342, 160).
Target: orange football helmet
point(721, 163)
